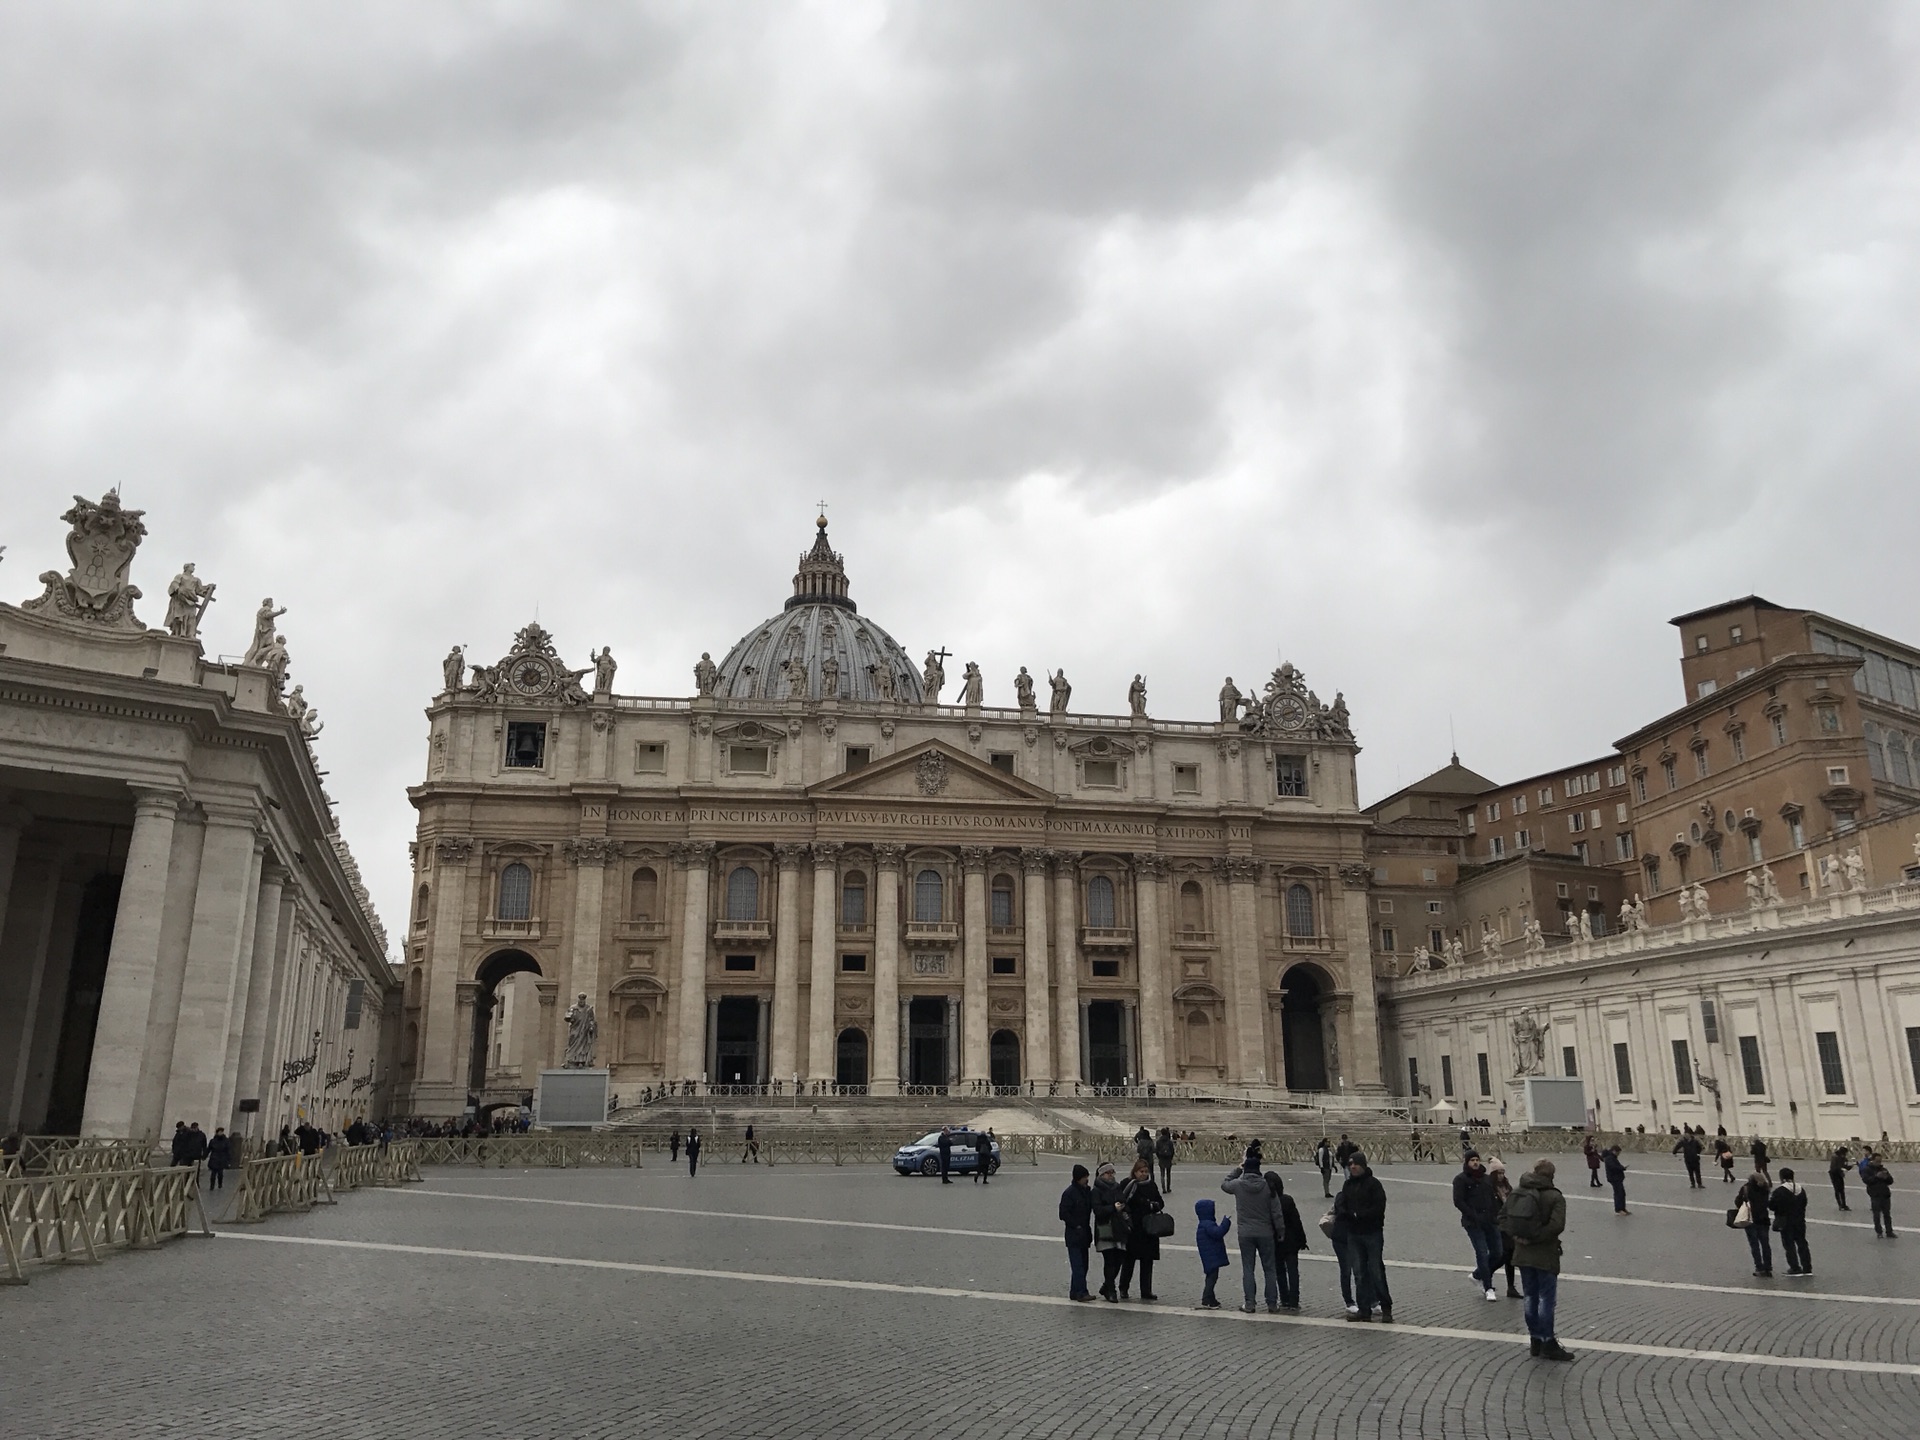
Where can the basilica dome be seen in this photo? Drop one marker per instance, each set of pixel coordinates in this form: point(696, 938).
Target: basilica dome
point(819, 636)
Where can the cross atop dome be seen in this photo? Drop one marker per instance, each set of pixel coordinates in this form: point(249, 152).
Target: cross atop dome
point(822, 578)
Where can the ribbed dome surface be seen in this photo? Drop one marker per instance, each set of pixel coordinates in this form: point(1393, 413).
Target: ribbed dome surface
point(785, 657)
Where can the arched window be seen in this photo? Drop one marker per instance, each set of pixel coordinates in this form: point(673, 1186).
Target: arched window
point(927, 907)
point(420, 905)
point(516, 893)
point(1193, 910)
point(1002, 897)
point(1299, 911)
point(853, 899)
point(645, 894)
point(743, 893)
point(1100, 903)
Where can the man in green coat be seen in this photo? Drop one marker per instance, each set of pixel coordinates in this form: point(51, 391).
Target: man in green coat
point(1536, 1215)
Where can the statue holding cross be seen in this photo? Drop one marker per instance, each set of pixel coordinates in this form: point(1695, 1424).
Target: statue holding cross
point(935, 675)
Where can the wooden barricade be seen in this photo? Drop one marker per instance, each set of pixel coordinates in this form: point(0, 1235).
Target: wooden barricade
point(77, 1216)
point(281, 1182)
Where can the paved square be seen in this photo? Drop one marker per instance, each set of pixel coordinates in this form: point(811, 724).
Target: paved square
point(767, 1301)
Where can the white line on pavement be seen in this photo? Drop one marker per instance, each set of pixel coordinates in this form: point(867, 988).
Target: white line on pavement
point(1456, 1268)
point(1440, 1332)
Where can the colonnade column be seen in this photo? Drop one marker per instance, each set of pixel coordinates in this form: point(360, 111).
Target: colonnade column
point(1361, 1058)
point(265, 1075)
point(973, 966)
point(223, 914)
point(119, 1037)
point(14, 819)
point(1155, 1001)
point(249, 1035)
point(786, 963)
point(590, 856)
point(438, 1040)
point(826, 872)
point(884, 1065)
point(690, 1056)
point(1039, 1048)
point(1066, 958)
point(1246, 1027)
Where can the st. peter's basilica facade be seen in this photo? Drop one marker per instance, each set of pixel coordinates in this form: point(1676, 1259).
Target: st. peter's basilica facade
point(813, 871)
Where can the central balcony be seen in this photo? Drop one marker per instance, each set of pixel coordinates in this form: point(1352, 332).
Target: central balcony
point(1106, 937)
point(494, 929)
point(932, 932)
point(743, 931)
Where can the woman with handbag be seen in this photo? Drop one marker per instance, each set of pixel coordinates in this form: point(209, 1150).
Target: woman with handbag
point(1109, 1230)
point(1289, 1239)
point(1750, 1213)
point(1146, 1223)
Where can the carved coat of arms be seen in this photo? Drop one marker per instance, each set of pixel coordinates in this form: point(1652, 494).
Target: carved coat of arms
point(931, 773)
point(101, 545)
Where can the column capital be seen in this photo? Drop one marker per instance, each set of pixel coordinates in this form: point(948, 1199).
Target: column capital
point(454, 849)
point(973, 858)
point(826, 854)
point(1241, 869)
point(1036, 862)
point(272, 872)
point(1150, 867)
point(592, 850)
point(789, 857)
point(692, 854)
point(157, 800)
point(889, 857)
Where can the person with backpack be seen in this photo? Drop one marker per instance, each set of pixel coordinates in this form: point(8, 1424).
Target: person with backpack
point(1536, 1217)
point(1790, 1223)
point(1755, 1198)
point(1880, 1195)
point(1210, 1239)
point(1163, 1150)
point(1323, 1162)
point(1617, 1178)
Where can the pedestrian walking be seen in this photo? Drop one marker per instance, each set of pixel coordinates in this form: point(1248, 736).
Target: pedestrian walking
point(1109, 1230)
point(1837, 1166)
point(1617, 1178)
point(693, 1153)
point(181, 1148)
point(1880, 1195)
point(197, 1141)
point(1362, 1203)
point(1164, 1151)
point(1289, 1239)
point(1592, 1152)
point(1210, 1239)
point(1758, 1150)
point(673, 1144)
point(1689, 1151)
point(1323, 1162)
point(945, 1147)
point(1503, 1190)
point(1143, 1144)
point(1479, 1206)
point(753, 1148)
point(1723, 1152)
point(1751, 1212)
point(1342, 1153)
point(1789, 1203)
point(1536, 1217)
point(1076, 1215)
point(1254, 1214)
point(219, 1157)
point(983, 1159)
point(1143, 1200)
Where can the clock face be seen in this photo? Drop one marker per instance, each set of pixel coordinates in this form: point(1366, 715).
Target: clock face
point(1290, 712)
point(532, 676)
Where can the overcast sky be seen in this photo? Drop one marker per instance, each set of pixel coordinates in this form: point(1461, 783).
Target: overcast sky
point(1447, 351)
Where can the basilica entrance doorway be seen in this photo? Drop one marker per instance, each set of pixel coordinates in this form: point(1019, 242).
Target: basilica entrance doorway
point(927, 1040)
point(850, 1058)
point(1003, 1059)
point(1107, 1042)
point(1302, 1029)
point(736, 1041)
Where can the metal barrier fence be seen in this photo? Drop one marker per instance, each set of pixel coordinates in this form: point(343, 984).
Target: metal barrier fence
point(70, 1155)
point(73, 1217)
point(527, 1151)
point(281, 1183)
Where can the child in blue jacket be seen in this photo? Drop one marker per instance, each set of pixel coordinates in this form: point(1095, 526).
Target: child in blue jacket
point(1210, 1236)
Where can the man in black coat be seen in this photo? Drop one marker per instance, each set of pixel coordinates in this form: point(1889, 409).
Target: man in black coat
point(1479, 1206)
point(1076, 1214)
point(1361, 1207)
point(1343, 1152)
point(182, 1149)
point(693, 1153)
point(1837, 1166)
point(1689, 1150)
point(946, 1154)
point(982, 1155)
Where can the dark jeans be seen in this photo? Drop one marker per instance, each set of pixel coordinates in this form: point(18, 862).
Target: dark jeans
point(1542, 1289)
point(1593, 1177)
point(1619, 1194)
point(1166, 1176)
point(1488, 1243)
point(1346, 1271)
point(1882, 1213)
point(1077, 1268)
point(1799, 1258)
point(1290, 1279)
point(1110, 1263)
point(1207, 1297)
point(1146, 1276)
point(1262, 1246)
point(1367, 1254)
point(1839, 1178)
point(1693, 1173)
point(693, 1163)
point(1326, 1184)
point(1761, 1244)
point(1506, 1259)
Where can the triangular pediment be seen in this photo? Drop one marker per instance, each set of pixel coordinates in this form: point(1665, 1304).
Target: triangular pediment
point(935, 773)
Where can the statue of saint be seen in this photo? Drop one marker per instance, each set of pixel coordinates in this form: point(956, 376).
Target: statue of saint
point(1536, 937)
point(1422, 959)
point(311, 724)
point(1856, 869)
point(1023, 690)
point(1338, 717)
point(1137, 698)
point(603, 668)
point(582, 1031)
point(706, 675)
point(1062, 692)
point(453, 669)
point(1529, 1043)
point(830, 677)
point(1490, 944)
point(1701, 909)
point(972, 686)
point(187, 600)
point(1769, 887)
point(297, 703)
point(933, 677)
point(1686, 902)
point(274, 660)
point(882, 680)
point(263, 636)
point(1755, 896)
point(1230, 699)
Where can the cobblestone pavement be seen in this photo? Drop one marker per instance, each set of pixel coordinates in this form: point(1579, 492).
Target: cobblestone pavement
point(761, 1301)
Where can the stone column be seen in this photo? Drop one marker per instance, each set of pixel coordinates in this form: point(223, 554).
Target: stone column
point(906, 1041)
point(13, 820)
point(224, 906)
point(1156, 991)
point(438, 1037)
point(761, 1040)
point(1130, 1036)
point(973, 966)
point(1246, 1027)
point(786, 962)
point(23, 950)
point(1071, 1035)
point(1039, 1056)
point(889, 1028)
point(826, 872)
point(1361, 1044)
point(953, 1041)
point(590, 856)
point(119, 1038)
point(713, 1041)
point(546, 1042)
point(690, 1054)
point(176, 929)
point(266, 1075)
point(249, 1037)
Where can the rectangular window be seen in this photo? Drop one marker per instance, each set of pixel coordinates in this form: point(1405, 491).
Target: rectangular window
point(1670, 775)
point(1797, 833)
point(1186, 779)
point(1734, 636)
point(1519, 804)
point(1493, 811)
point(1005, 965)
point(356, 997)
point(1436, 942)
point(1001, 760)
point(526, 744)
point(1754, 855)
point(1833, 1077)
point(1104, 773)
point(1106, 969)
point(1386, 907)
point(1413, 1075)
point(1710, 1022)
point(747, 759)
point(1779, 729)
point(1682, 1069)
point(1486, 1075)
point(1000, 908)
point(649, 759)
point(1576, 822)
point(1616, 775)
point(1738, 739)
point(1580, 851)
point(853, 964)
point(1700, 762)
point(1473, 822)
point(1705, 688)
point(1433, 907)
point(1623, 846)
point(1290, 772)
point(1836, 775)
point(1387, 938)
point(1622, 1068)
point(1446, 1075)
point(1700, 643)
point(1751, 1073)
point(1640, 787)
point(1714, 857)
point(738, 962)
point(1569, 1066)
point(1546, 795)
point(1496, 846)
point(858, 756)
point(1523, 840)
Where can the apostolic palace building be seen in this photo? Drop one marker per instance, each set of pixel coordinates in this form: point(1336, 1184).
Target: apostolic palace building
point(817, 870)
